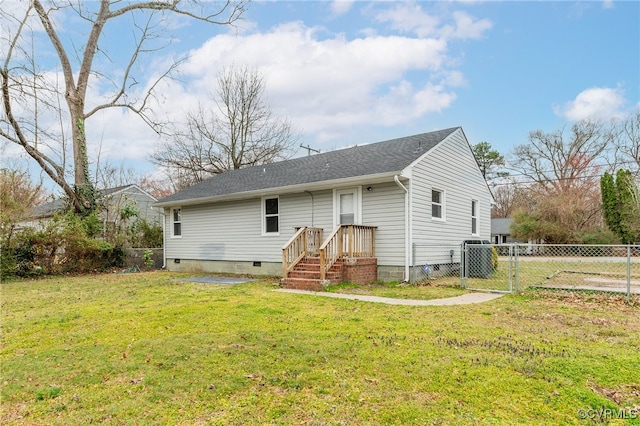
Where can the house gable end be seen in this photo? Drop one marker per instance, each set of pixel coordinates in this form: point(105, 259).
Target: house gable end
point(407, 171)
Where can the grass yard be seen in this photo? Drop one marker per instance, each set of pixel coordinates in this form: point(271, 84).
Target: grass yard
point(422, 291)
point(147, 348)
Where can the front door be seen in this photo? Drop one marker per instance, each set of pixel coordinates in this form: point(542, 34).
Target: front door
point(347, 206)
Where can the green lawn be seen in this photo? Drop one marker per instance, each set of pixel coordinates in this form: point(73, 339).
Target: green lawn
point(422, 291)
point(149, 349)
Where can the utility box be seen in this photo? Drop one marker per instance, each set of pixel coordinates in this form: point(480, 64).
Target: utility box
point(477, 259)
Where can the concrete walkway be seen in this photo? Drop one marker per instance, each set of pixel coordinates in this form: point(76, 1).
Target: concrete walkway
point(464, 299)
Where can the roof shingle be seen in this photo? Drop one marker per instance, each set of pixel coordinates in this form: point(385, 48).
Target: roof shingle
point(362, 160)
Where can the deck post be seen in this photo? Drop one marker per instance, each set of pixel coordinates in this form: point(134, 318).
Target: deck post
point(323, 262)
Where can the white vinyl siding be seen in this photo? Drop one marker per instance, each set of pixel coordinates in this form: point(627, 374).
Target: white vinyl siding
point(233, 230)
point(383, 207)
point(449, 167)
point(134, 197)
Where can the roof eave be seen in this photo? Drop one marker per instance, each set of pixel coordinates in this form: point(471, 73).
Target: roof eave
point(281, 190)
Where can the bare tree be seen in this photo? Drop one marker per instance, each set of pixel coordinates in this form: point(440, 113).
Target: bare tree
point(509, 196)
point(159, 188)
point(18, 195)
point(562, 172)
point(29, 92)
point(242, 132)
point(558, 161)
point(627, 144)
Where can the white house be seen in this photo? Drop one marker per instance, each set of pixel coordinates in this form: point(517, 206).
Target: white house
point(113, 200)
point(364, 203)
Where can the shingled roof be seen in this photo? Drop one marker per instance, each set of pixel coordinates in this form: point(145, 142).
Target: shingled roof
point(362, 160)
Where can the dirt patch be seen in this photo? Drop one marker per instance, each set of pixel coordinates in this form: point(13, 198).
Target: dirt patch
point(621, 395)
point(587, 299)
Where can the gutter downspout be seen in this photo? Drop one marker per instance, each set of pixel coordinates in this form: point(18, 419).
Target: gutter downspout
point(407, 234)
point(312, 207)
point(164, 239)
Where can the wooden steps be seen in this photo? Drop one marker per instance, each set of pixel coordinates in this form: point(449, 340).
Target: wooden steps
point(306, 275)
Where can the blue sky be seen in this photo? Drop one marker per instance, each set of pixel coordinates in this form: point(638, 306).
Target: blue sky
point(353, 72)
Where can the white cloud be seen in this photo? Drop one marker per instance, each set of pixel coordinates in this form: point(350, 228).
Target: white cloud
point(326, 84)
point(120, 134)
point(595, 103)
point(340, 7)
point(466, 27)
point(333, 83)
point(411, 18)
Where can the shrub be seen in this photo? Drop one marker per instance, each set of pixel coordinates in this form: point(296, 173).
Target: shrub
point(8, 262)
point(494, 258)
point(600, 236)
point(145, 234)
point(66, 244)
point(147, 259)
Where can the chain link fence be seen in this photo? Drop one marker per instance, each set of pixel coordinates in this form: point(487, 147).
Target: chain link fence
point(431, 262)
point(516, 267)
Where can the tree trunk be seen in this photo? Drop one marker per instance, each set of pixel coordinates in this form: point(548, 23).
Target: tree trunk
point(85, 197)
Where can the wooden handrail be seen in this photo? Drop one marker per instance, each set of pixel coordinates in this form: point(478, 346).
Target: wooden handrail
point(330, 251)
point(349, 241)
point(304, 242)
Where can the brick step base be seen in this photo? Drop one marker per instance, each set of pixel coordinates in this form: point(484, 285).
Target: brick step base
point(305, 284)
point(315, 275)
point(306, 274)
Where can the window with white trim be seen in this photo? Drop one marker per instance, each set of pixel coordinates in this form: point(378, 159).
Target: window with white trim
point(474, 217)
point(437, 204)
point(271, 214)
point(176, 222)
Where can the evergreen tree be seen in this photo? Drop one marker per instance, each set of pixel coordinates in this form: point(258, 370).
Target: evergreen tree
point(489, 160)
point(610, 202)
point(621, 206)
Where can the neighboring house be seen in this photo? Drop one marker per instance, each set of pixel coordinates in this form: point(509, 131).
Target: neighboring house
point(40, 215)
point(424, 189)
point(501, 232)
point(113, 199)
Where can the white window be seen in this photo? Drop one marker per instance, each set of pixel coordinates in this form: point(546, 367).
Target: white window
point(176, 222)
point(437, 204)
point(474, 217)
point(271, 214)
